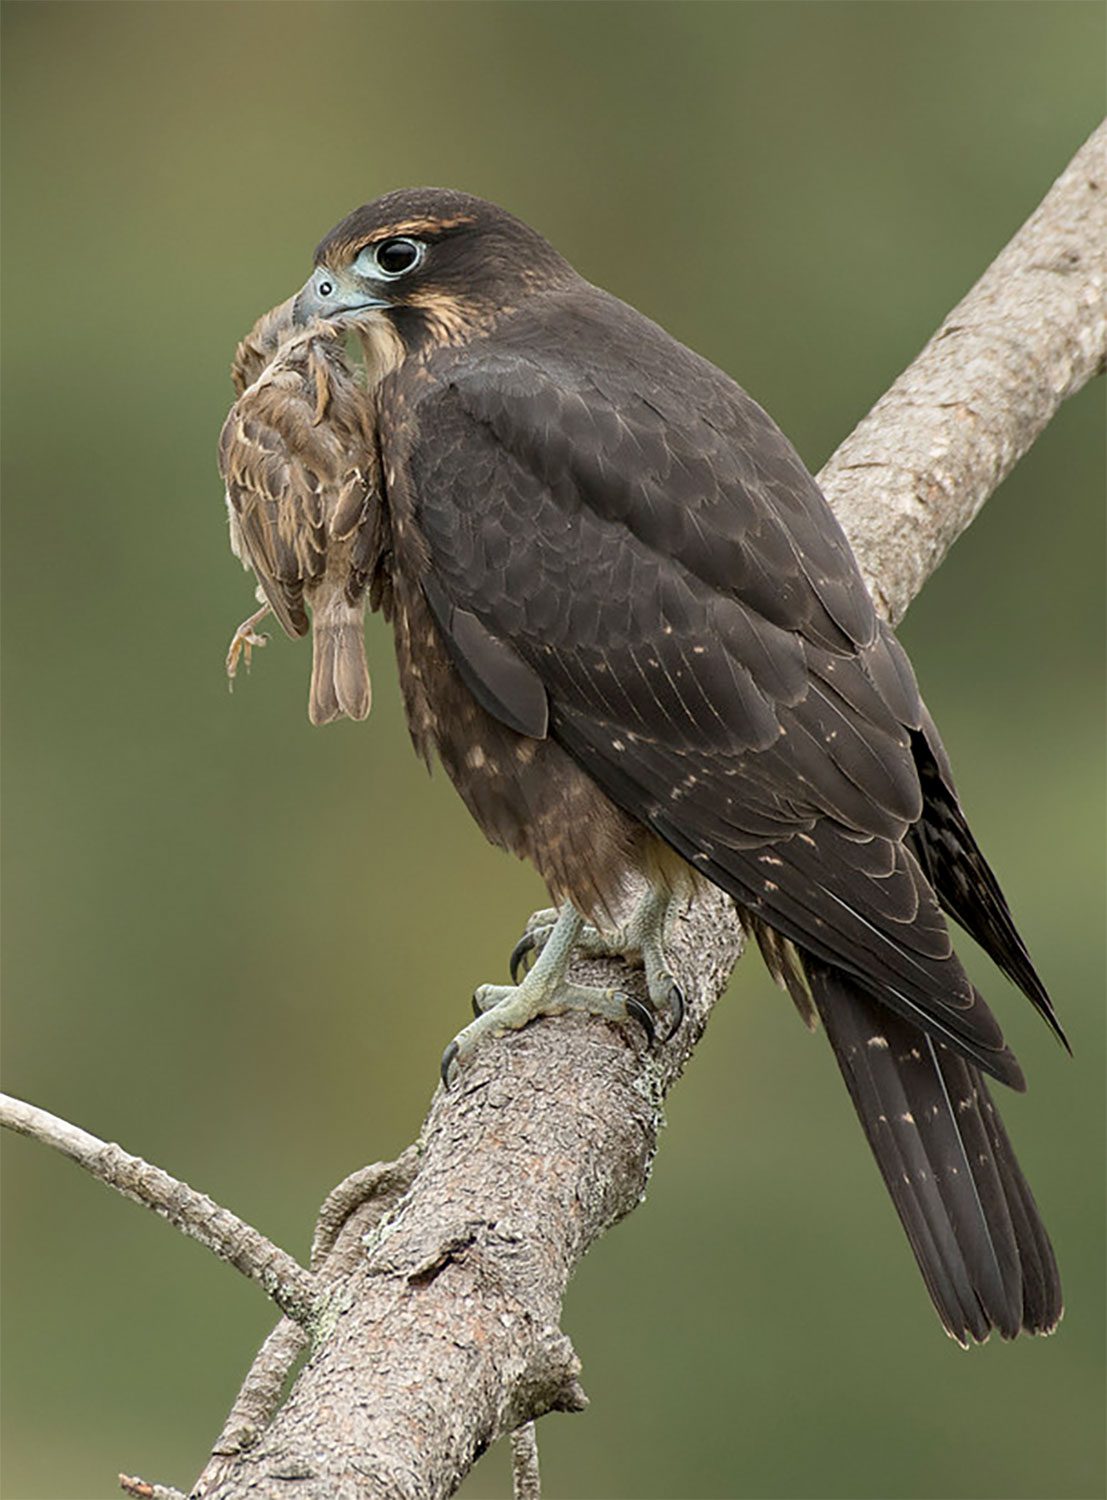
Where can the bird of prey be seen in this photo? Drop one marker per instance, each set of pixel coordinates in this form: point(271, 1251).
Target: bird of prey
point(299, 460)
point(632, 631)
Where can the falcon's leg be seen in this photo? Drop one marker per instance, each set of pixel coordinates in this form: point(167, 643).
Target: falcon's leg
point(640, 941)
point(543, 992)
point(244, 640)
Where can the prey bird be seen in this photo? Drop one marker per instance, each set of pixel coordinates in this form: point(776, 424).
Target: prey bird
point(299, 460)
point(632, 631)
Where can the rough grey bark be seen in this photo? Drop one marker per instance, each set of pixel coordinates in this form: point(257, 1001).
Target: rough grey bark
point(437, 1280)
point(526, 1480)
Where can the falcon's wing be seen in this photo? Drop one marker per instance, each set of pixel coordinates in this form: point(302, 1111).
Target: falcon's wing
point(639, 540)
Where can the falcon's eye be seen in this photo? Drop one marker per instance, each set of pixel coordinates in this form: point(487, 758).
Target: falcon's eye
point(397, 257)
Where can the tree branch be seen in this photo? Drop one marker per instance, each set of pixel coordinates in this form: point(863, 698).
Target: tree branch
point(526, 1482)
point(443, 1296)
point(140, 1489)
point(914, 473)
point(293, 1289)
point(353, 1208)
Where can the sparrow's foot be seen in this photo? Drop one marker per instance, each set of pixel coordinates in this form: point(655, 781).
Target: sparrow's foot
point(543, 992)
point(639, 942)
point(243, 642)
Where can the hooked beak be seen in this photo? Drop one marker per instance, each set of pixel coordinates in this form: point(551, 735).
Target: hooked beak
point(335, 305)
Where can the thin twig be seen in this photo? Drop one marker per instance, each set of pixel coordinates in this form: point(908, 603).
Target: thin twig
point(526, 1482)
point(294, 1290)
point(260, 1393)
point(142, 1490)
point(336, 1240)
point(382, 1184)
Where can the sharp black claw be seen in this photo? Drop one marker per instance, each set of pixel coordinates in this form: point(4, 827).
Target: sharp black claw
point(642, 1015)
point(677, 1008)
point(524, 946)
point(449, 1057)
point(475, 1003)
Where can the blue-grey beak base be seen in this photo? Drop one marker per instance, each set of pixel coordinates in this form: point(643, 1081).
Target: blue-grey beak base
point(340, 303)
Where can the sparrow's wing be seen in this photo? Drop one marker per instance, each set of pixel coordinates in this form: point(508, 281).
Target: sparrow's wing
point(298, 461)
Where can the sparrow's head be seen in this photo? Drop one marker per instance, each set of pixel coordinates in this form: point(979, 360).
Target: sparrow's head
point(435, 263)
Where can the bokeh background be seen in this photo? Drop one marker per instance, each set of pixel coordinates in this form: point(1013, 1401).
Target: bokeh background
point(237, 945)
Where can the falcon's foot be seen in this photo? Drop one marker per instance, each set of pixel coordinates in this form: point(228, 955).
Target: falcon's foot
point(243, 642)
point(639, 942)
point(543, 992)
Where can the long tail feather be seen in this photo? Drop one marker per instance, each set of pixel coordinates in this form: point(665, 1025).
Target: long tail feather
point(948, 1165)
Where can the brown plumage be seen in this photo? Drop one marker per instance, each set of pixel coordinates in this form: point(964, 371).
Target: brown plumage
point(630, 628)
point(299, 459)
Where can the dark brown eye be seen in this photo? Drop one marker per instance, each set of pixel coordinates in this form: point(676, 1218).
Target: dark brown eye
point(397, 257)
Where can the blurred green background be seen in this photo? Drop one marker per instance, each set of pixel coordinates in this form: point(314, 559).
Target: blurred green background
point(217, 947)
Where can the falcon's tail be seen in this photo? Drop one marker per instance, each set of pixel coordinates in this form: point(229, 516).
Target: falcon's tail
point(948, 1165)
point(339, 673)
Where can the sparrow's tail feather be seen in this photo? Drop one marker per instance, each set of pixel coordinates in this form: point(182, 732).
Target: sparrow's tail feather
point(948, 1165)
point(339, 673)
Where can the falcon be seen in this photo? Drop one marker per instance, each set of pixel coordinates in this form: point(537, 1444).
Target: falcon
point(630, 628)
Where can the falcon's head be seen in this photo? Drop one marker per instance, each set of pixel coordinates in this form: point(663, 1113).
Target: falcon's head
point(437, 265)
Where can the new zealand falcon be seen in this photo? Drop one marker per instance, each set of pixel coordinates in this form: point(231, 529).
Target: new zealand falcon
point(631, 629)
